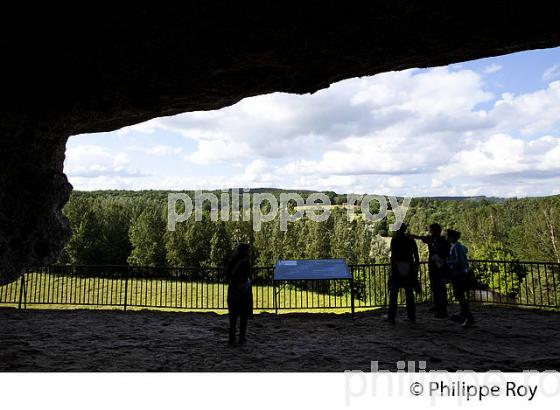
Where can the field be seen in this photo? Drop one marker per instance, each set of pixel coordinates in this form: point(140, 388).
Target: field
point(530, 284)
point(43, 290)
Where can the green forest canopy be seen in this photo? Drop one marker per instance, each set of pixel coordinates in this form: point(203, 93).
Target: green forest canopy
point(130, 227)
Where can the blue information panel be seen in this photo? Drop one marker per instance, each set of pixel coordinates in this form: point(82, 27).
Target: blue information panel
point(312, 269)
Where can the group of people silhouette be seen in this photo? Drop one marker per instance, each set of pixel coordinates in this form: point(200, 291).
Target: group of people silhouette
point(448, 263)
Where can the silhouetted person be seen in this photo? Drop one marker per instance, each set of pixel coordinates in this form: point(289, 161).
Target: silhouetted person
point(439, 249)
point(458, 262)
point(404, 273)
point(240, 294)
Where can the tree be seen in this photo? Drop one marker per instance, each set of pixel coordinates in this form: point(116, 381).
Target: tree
point(147, 235)
point(344, 238)
point(188, 245)
point(537, 236)
point(379, 249)
point(220, 246)
point(319, 244)
point(100, 232)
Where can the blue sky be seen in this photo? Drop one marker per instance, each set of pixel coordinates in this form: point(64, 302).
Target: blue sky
point(485, 127)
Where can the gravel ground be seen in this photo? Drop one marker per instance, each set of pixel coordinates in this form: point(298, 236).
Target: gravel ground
point(504, 339)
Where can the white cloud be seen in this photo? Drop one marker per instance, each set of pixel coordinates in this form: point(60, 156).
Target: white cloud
point(163, 150)
point(90, 161)
point(283, 125)
point(218, 150)
point(420, 132)
point(504, 164)
point(492, 68)
point(148, 127)
point(261, 173)
point(551, 73)
point(530, 113)
point(396, 182)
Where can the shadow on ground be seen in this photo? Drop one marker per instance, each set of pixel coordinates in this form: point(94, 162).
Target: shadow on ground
point(504, 339)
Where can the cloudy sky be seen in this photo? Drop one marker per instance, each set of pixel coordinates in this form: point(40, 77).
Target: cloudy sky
point(485, 127)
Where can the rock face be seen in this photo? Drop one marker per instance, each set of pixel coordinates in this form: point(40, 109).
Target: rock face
point(67, 71)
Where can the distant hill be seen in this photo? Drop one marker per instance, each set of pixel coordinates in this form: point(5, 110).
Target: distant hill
point(337, 198)
point(478, 198)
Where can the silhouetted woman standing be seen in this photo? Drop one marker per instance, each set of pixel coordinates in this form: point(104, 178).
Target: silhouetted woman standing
point(240, 294)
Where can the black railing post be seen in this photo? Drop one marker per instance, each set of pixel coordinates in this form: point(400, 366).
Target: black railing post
point(352, 295)
point(126, 286)
point(21, 286)
point(274, 301)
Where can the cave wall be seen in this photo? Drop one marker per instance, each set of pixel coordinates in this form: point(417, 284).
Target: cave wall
point(99, 66)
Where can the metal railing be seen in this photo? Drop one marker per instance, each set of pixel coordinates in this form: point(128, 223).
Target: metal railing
point(534, 284)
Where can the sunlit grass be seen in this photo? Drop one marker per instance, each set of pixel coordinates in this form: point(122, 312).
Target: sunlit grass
point(46, 291)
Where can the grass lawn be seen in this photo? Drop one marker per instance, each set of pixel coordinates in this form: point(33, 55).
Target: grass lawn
point(46, 291)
